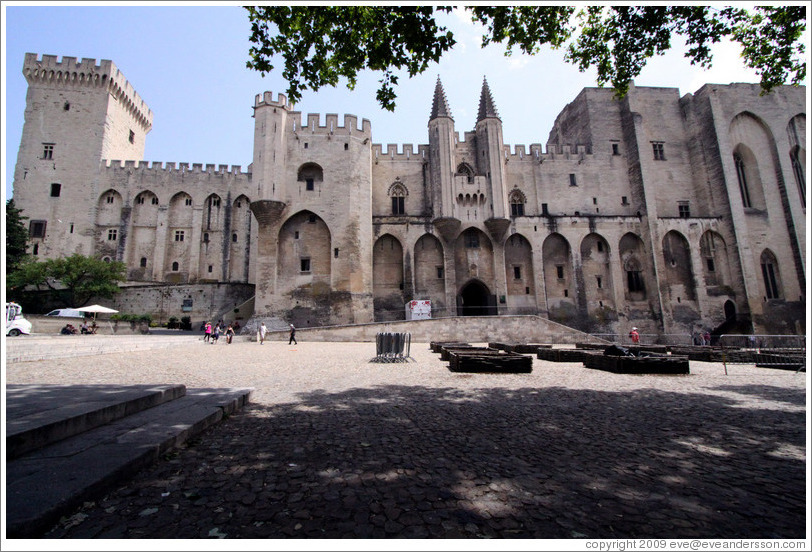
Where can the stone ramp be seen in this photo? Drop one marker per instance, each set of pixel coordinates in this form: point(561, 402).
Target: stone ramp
point(46, 483)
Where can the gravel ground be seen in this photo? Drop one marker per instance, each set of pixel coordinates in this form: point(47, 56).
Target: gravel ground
point(335, 446)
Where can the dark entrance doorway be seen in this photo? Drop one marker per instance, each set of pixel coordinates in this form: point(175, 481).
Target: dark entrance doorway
point(475, 299)
point(730, 310)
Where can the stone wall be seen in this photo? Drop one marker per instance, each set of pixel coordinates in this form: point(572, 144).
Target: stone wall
point(471, 329)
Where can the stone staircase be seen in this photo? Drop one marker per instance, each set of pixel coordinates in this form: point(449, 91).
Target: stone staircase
point(67, 444)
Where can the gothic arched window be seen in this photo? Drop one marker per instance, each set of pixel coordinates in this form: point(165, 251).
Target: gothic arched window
point(398, 193)
point(517, 201)
point(465, 170)
point(741, 174)
point(772, 279)
point(798, 171)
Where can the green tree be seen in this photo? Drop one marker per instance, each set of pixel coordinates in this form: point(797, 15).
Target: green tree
point(320, 44)
point(16, 237)
point(77, 278)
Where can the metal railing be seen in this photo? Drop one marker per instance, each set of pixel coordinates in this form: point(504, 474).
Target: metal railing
point(646, 339)
point(392, 347)
point(765, 351)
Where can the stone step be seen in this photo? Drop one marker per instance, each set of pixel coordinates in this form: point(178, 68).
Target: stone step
point(47, 483)
point(38, 416)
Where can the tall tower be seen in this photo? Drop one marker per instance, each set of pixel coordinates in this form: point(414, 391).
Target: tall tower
point(77, 115)
point(490, 160)
point(441, 164)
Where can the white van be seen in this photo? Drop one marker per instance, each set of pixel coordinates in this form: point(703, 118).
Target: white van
point(16, 323)
point(70, 313)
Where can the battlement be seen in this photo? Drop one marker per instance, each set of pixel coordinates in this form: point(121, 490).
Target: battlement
point(266, 99)
point(407, 152)
point(330, 126)
point(552, 152)
point(196, 168)
point(313, 125)
point(71, 72)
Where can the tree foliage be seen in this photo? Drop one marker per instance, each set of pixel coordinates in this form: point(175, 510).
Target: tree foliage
point(79, 277)
point(16, 237)
point(320, 44)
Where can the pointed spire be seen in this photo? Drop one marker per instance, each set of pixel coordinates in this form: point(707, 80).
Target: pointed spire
point(487, 109)
point(439, 107)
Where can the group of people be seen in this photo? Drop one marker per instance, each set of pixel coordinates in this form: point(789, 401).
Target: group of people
point(85, 329)
point(702, 338)
point(263, 330)
point(212, 334)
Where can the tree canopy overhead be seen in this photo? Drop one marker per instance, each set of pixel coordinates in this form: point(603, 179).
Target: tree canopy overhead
point(320, 44)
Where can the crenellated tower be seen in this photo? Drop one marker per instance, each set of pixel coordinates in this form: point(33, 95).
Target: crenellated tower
point(77, 114)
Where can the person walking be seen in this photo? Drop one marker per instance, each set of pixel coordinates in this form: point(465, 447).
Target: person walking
point(206, 332)
point(215, 335)
point(229, 334)
point(292, 335)
point(261, 333)
point(635, 337)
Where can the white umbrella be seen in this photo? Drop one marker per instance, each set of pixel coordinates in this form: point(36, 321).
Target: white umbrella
point(96, 309)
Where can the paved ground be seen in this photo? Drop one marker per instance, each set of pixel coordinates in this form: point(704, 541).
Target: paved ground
point(336, 446)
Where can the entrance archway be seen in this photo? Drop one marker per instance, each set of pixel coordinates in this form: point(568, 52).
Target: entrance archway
point(475, 299)
point(730, 310)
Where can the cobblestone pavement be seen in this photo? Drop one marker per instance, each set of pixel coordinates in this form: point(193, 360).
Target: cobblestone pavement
point(334, 446)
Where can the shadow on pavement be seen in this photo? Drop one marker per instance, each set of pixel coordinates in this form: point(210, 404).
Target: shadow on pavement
point(550, 463)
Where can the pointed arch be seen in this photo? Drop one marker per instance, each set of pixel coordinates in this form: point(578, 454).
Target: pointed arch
point(109, 208)
point(632, 252)
point(678, 267)
point(559, 283)
point(596, 269)
point(521, 278)
point(387, 278)
point(715, 260)
point(473, 256)
point(303, 254)
point(517, 200)
point(240, 239)
point(465, 170)
point(771, 275)
point(398, 192)
point(429, 270)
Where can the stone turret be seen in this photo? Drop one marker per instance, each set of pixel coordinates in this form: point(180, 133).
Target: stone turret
point(441, 154)
point(490, 160)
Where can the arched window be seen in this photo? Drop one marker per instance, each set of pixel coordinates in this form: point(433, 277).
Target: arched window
point(310, 173)
point(175, 266)
point(517, 201)
point(741, 174)
point(398, 193)
point(143, 262)
point(798, 171)
point(769, 271)
point(465, 170)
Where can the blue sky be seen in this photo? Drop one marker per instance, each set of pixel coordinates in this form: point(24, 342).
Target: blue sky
point(188, 63)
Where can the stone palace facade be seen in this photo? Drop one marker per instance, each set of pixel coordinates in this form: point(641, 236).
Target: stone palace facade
point(665, 212)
